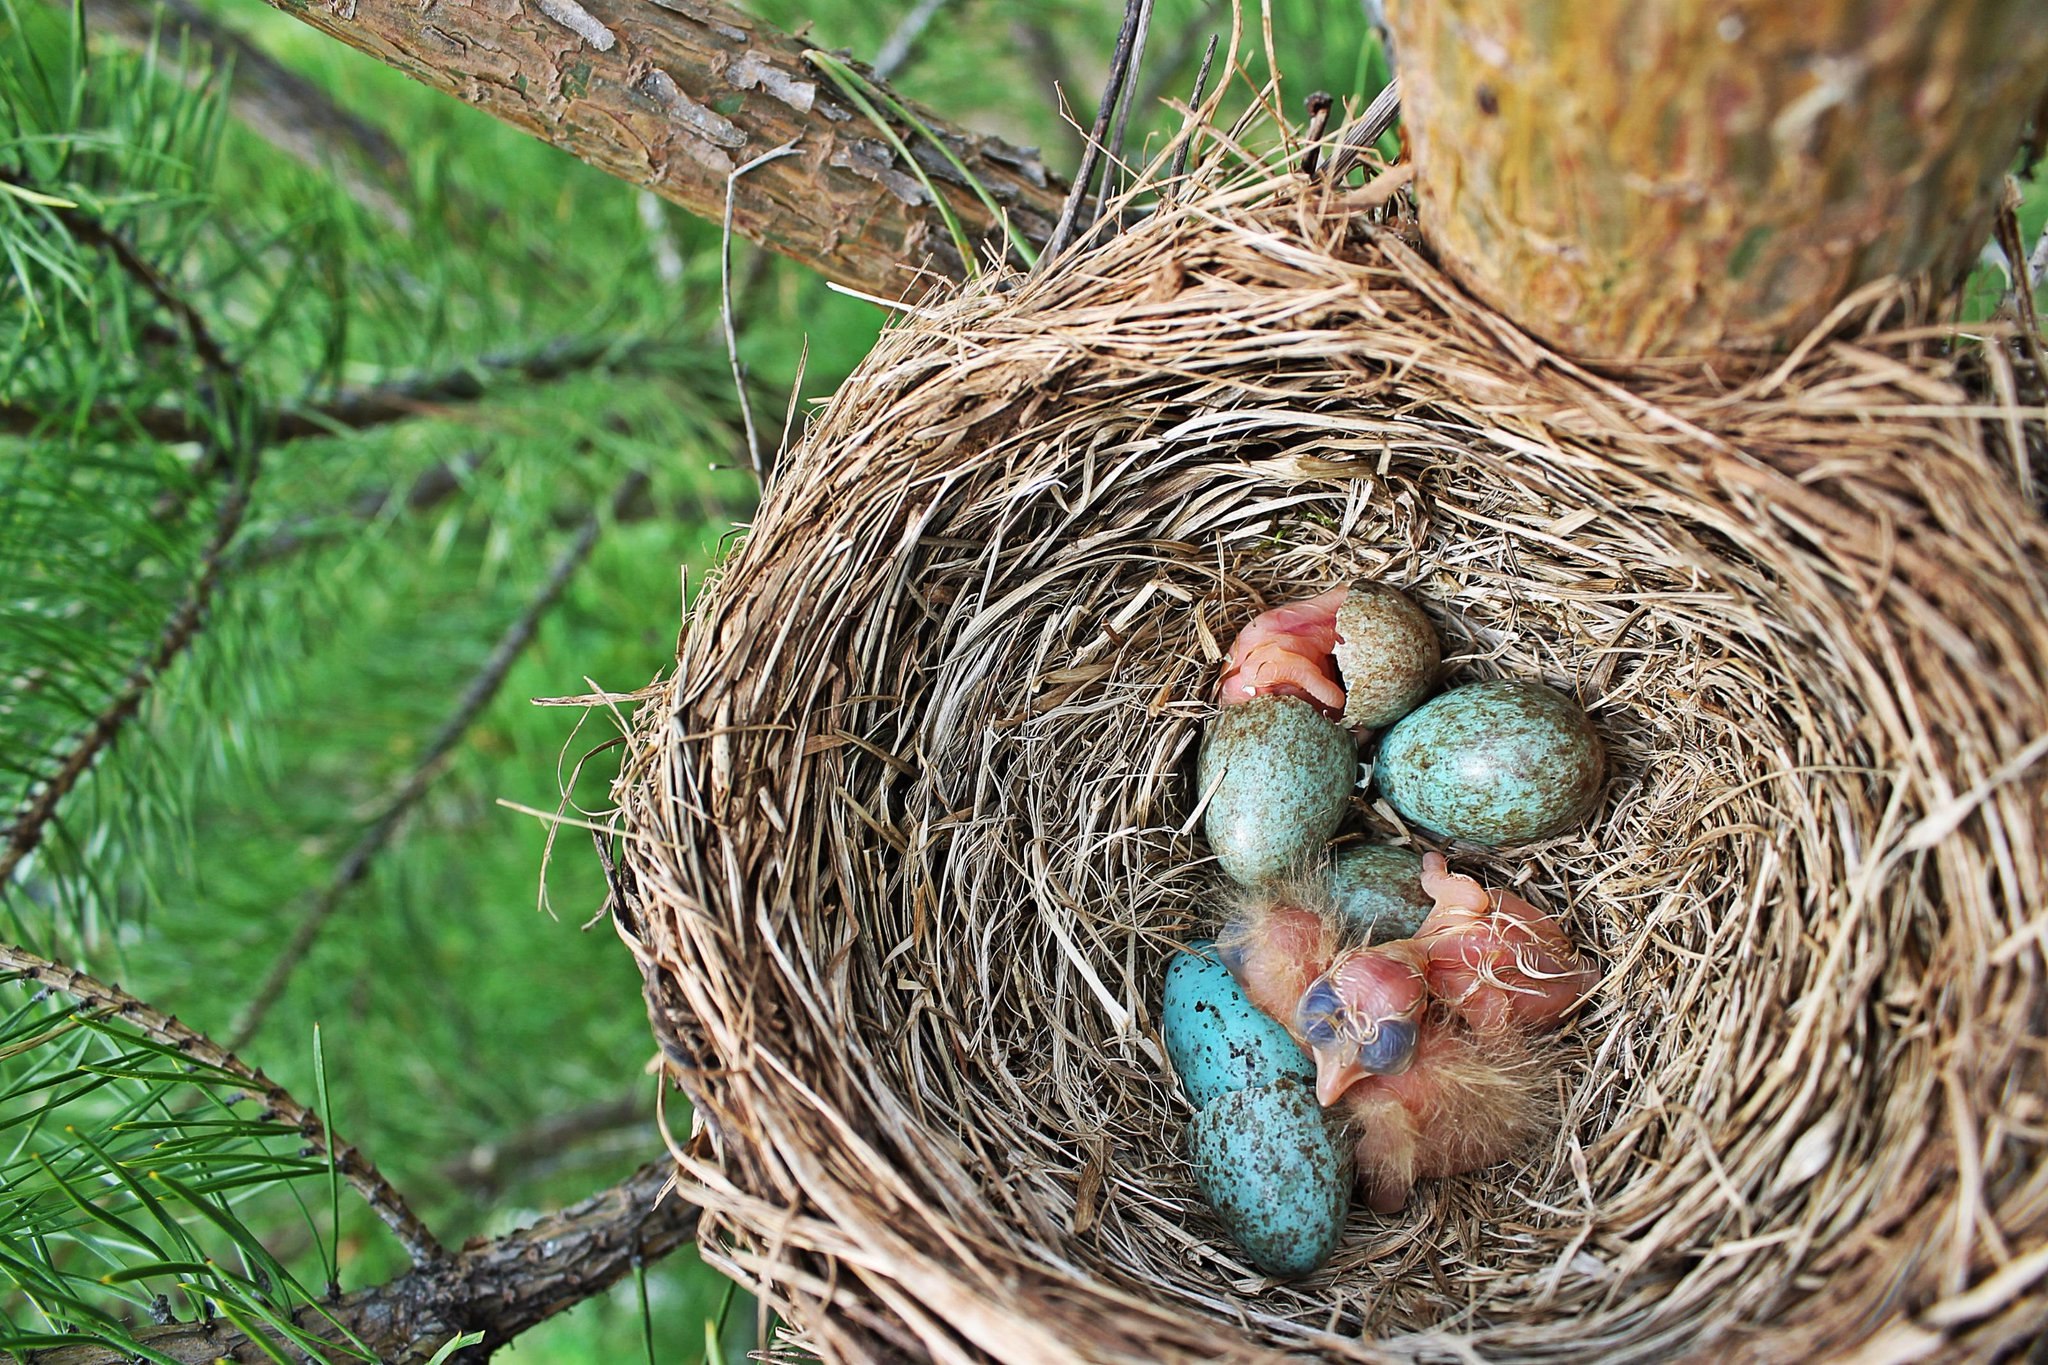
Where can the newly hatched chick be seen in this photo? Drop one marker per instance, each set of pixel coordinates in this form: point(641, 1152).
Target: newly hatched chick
point(1286, 652)
point(1420, 1043)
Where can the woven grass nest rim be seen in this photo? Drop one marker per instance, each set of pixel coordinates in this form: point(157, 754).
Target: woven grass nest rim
point(908, 838)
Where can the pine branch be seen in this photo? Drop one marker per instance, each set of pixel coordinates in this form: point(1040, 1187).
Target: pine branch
point(501, 1287)
point(276, 103)
point(355, 864)
point(31, 820)
point(362, 1177)
point(637, 89)
point(89, 230)
point(377, 405)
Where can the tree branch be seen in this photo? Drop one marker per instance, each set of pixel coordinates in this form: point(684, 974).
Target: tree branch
point(501, 1287)
point(378, 405)
point(31, 819)
point(674, 95)
point(362, 1177)
point(482, 688)
point(490, 1166)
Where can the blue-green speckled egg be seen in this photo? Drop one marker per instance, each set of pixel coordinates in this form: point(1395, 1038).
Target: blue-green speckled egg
point(1379, 889)
point(1218, 1040)
point(1281, 776)
point(1497, 763)
point(1266, 1163)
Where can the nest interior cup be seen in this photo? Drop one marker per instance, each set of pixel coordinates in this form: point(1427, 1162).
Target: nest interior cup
point(910, 833)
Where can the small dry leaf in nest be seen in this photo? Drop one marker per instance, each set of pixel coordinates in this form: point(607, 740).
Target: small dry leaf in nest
point(907, 832)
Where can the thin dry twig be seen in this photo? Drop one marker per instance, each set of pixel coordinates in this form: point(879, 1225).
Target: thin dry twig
point(362, 1177)
point(1091, 152)
point(1179, 166)
point(725, 310)
point(355, 864)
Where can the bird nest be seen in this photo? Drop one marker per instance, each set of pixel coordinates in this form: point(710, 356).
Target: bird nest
point(910, 834)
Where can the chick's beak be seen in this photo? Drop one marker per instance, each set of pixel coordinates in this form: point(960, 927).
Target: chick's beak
point(1337, 1070)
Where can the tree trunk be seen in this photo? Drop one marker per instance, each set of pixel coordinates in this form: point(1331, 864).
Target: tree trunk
point(676, 95)
point(1658, 177)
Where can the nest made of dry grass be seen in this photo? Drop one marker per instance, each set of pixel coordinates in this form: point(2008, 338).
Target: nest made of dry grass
point(908, 839)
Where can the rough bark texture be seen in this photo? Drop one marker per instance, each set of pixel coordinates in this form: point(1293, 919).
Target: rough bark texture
point(501, 1287)
point(1644, 177)
point(676, 95)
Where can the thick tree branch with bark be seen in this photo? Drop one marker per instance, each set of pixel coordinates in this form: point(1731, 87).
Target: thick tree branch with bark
point(500, 1287)
point(675, 95)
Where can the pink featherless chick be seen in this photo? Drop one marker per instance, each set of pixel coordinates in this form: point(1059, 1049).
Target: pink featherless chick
point(1447, 1084)
point(1287, 652)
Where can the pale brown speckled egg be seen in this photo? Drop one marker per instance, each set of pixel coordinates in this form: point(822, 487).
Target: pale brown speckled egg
point(1387, 652)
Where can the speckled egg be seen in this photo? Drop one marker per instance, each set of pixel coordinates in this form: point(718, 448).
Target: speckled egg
point(1266, 1163)
point(1218, 1040)
point(1496, 763)
point(1379, 889)
point(1387, 652)
point(1279, 776)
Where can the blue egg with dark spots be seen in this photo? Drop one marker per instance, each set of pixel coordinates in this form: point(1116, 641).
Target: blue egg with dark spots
point(1218, 1040)
point(1278, 776)
point(1379, 889)
point(1265, 1161)
point(1495, 763)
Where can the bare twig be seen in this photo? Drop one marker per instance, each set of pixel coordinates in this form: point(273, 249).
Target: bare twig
point(1366, 130)
point(378, 405)
point(2019, 297)
point(482, 688)
point(1318, 119)
point(492, 1165)
point(501, 1287)
point(1112, 170)
point(362, 1177)
point(1180, 153)
point(732, 338)
point(1077, 194)
point(896, 48)
point(31, 819)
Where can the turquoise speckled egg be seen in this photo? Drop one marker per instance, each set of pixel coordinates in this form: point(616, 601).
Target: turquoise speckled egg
point(1388, 653)
point(1379, 889)
point(1218, 1039)
point(1496, 763)
point(1280, 776)
point(1267, 1165)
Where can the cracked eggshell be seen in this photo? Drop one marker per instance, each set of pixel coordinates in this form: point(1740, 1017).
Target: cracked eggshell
point(1279, 777)
point(1379, 889)
point(1496, 763)
point(1218, 1040)
point(1387, 653)
point(1265, 1161)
